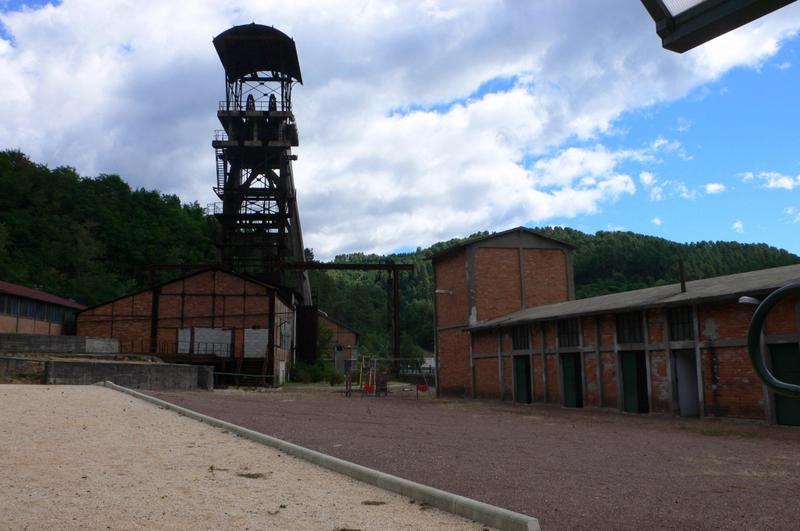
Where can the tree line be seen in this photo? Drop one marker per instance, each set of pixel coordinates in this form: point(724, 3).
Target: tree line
point(93, 239)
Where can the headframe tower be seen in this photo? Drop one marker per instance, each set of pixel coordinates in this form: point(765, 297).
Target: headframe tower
point(258, 214)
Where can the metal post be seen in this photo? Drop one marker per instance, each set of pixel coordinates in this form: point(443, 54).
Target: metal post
point(396, 317)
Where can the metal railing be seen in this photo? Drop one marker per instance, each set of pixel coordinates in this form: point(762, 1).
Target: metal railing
point(258, 105)
point(221, 350)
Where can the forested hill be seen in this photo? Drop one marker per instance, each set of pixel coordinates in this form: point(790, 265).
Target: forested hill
point(92, 239)
point(605, 262)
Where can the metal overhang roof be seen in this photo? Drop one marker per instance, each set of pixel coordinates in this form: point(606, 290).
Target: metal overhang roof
point(257, 48)
point(715, 288)
point(35, 294)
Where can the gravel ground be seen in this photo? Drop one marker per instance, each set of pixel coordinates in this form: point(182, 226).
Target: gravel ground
point(86, 457)
point(569, 468)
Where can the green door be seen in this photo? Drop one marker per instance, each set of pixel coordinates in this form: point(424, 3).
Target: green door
point(634, 382)
point(786, 367)
point(572, 384)
point(522, 379)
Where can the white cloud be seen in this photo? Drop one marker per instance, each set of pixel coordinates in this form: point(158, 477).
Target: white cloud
point(772, 179)
point(738, 226)
point(714, 188)
point(793, 214)
point(660, 190)
point(131, 87)
point(786, 65)
point(684, 191)
point(656, 193)
point(656, 221)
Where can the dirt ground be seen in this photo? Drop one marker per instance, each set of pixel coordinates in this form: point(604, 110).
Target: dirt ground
point(87, 457)
point(570, 468)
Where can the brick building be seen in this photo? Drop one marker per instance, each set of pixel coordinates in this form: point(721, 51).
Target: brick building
point(507, 327)
point(26, 310)
point(345, 341)
point(211, 316)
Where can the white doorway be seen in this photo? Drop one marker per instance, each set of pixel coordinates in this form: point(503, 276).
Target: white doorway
point(686, 383)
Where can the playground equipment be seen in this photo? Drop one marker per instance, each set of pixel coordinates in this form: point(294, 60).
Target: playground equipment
point(372, 375)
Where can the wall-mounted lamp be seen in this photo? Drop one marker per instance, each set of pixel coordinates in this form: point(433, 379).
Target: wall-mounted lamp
point(444, 292)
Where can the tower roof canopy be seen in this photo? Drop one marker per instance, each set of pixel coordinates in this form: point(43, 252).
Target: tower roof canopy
point(256, 48)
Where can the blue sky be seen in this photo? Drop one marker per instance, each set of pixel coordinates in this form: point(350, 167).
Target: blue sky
point(422, 121)
point(744, 122)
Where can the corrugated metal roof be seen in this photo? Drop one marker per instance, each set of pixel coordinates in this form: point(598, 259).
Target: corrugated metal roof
point(35, 294)
point(715, 288)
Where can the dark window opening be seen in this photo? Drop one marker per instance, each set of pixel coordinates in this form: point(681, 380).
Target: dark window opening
point(12, 305)
point(519, 337)
point(681, 325)
point(630, 327)
point(56, 314)
point(569, 333)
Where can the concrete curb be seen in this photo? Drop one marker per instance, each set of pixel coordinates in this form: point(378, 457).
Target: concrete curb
point(484, 513)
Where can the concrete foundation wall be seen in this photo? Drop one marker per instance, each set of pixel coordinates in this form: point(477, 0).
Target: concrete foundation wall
point(11, 366)
point(19, 343)
point(134, 375)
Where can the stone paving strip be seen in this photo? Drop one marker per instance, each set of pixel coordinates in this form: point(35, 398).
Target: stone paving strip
point(92, 458)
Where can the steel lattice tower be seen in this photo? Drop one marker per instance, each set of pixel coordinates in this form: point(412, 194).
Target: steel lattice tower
point(258, 215)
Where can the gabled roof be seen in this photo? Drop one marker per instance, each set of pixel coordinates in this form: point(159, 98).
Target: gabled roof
point(337, 322)
point(520, 230)
point(39, 295)
point(188, 275)
point(708, 289)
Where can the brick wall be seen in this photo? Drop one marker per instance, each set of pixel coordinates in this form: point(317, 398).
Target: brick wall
point(212, 299)
point(782, 319)
point(592, 398)
point(553, 394)
point(487, 378)
point(452, 305)
point(655, 325)
point(538, 378)
point(731, 387)
point(546, 277)
point(508, 377)
point(659, 383)
point(484, 341)
point(497, 282)
point(609, 376)
point(454, 374)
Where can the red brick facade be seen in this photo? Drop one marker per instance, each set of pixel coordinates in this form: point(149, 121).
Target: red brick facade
point(730, 387)
point(488, 278)
point(211, 299)
point(500, 275)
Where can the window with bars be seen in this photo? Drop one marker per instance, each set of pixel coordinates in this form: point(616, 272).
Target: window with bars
point(11, 305)
point(681, 324)
point(520, 340)
point(569, 333)
point(630, 327)
point(26, 308)
point(56, 314)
